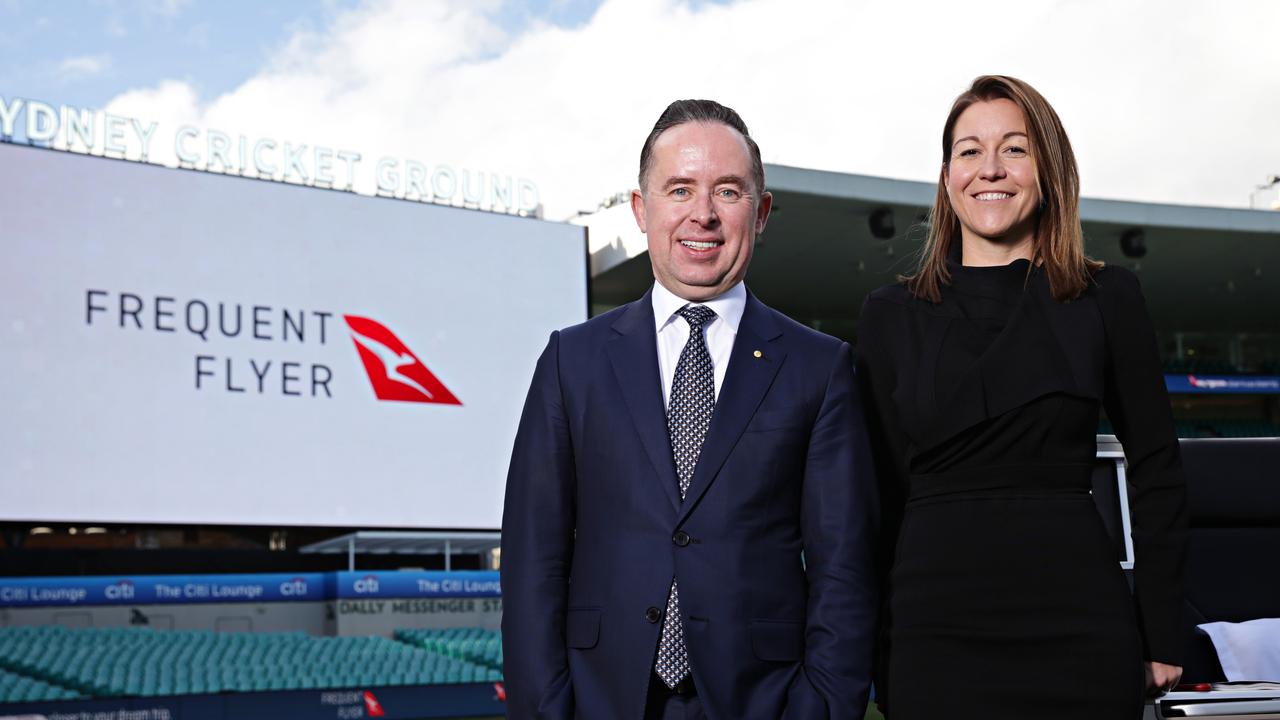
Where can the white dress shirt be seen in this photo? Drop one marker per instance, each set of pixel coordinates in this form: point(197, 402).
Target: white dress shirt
point(673, 331)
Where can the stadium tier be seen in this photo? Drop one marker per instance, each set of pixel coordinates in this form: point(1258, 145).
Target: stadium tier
point(15, 687)
point(52, 663)
point(1215, 428)
point(1197, 365)
point(475, 645)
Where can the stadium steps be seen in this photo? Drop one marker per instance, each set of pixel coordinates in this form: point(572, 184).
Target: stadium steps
point(476, 645)
point(16, 687)
point(141, 662)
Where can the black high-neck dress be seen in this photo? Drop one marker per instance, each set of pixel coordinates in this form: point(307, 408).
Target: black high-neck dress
point(1005, 599)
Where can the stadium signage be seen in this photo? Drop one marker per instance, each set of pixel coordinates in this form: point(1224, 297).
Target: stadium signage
point(390, 702)
point(162, 589)
point(422, 584)
point(233, 352)
point(95, 132)
point(449, 591)
point(393, 370)
point(1223, 384)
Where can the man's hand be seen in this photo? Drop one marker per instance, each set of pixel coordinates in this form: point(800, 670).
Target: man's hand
point(1161, 677)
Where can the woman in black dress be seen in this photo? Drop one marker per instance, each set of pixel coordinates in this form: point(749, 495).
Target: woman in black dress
point(985, 372)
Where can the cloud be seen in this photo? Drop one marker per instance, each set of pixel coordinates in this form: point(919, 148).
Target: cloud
point(1164, 101)
point(83, 67)
point(170, 104)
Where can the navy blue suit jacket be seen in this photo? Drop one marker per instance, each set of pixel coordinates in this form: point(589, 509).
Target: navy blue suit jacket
point(772, 545)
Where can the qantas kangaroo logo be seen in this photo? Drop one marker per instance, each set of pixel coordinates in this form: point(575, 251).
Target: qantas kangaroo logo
point(372, 706)
point(394, 371)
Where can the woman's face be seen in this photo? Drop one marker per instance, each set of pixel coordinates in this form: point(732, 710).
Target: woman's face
point(991, 176)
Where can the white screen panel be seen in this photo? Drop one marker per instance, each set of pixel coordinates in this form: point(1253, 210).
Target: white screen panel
point(122, 403)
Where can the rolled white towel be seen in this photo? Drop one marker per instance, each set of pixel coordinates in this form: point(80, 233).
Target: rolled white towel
point(1247, 650)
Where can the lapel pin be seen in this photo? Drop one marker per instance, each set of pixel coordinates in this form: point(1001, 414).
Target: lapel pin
point(758, 354)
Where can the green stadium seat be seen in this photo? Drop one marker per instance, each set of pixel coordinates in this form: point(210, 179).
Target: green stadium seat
point(53, 662)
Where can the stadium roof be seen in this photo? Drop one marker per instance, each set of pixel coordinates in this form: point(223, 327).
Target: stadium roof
point(389, 542)
point(1205, 269)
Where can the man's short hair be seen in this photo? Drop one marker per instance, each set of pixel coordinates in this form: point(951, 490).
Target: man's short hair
point(708, 111)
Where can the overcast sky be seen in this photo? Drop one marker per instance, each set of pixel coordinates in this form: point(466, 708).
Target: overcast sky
point(1167, 101)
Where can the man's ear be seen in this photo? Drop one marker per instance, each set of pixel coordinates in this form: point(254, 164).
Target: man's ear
point(762, 211)
point(637, 209)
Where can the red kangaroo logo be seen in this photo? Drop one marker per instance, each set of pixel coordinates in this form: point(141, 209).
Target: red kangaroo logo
point(395, 372)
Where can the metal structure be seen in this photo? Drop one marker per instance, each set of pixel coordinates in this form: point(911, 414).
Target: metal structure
point(393, 542)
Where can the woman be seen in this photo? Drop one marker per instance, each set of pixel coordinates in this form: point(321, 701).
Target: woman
point(985, 371)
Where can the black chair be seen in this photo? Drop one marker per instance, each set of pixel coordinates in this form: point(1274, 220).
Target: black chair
point(1234, 497)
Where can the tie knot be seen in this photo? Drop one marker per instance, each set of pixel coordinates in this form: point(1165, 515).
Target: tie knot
point(696, 315)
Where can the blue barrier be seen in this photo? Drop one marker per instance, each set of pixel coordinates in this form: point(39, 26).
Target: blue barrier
point(1224, 384)
point(258, 588)
point(392, 703)
point(420, 584)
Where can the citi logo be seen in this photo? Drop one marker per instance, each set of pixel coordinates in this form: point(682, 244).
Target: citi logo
point(394, 371)
point(366, 584)
point(122, 590)
point(293, 587)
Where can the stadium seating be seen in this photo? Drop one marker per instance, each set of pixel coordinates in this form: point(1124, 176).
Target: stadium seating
point(20, 688)
point(475, 645)
point(1203, 366)
point(1200, 365)
point(51, 662)
point(1214, 428)
point(1226, 428)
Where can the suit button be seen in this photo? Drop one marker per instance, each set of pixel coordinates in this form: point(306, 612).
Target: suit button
point(653, 614)
point(681, 538)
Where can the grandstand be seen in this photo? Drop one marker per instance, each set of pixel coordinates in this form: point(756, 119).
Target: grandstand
point(56, 663)
point(1215, 428)
point(475, 645)
point(212, 646)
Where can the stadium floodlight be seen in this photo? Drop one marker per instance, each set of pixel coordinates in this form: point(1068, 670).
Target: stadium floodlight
point(1133, 243)
point(880, 223)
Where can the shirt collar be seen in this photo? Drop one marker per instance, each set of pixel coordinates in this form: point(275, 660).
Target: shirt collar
point(728, 306)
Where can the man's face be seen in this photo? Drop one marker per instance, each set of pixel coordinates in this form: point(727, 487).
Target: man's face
point(700, 210)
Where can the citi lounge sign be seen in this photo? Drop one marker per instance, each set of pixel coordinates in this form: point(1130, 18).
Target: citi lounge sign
point(394, 371)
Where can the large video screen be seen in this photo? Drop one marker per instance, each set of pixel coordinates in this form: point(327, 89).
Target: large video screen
point(183, 347)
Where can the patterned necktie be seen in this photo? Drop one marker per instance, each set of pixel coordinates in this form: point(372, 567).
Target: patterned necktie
point(693, 398)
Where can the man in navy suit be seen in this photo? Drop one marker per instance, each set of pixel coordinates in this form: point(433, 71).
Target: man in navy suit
point(690, 506)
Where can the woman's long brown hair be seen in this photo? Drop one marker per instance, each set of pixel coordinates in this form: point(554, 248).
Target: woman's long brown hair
point(1059, 240)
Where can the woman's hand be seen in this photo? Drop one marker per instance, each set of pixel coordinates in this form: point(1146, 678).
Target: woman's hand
point(1161, 677)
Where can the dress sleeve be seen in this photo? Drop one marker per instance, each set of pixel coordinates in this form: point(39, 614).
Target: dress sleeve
point(876, 380)
point(1137, 404)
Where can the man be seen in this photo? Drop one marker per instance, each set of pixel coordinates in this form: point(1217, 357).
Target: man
point(690, 506)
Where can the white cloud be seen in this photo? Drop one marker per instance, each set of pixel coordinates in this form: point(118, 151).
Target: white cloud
point(170, 104)
point(82, 67)
point(1165, 101)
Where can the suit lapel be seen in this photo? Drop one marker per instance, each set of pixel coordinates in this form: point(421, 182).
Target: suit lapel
point(633, 352)
point(746, 381)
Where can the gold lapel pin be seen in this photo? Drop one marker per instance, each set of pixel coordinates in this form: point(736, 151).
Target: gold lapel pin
point(758, 354)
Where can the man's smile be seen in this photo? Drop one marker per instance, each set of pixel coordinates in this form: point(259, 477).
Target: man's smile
point(702, 245)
